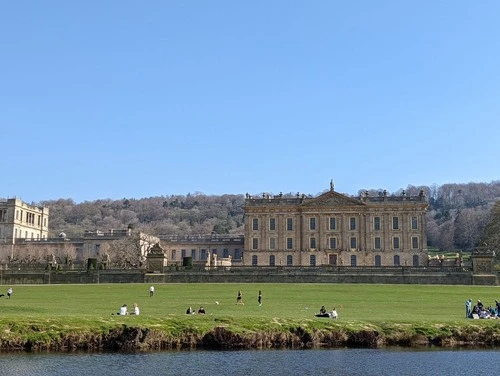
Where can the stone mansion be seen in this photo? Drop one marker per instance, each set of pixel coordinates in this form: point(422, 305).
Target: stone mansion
point(330, 229)
point(334, 229)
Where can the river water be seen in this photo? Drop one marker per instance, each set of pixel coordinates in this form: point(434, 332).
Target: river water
point(363, 362)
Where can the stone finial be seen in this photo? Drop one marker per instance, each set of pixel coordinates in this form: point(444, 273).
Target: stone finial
point(331, 185)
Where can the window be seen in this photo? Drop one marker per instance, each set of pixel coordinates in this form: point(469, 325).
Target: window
point(352, 223)
point(395, 242)
point(377, 244)
point(17, 214)
point(289, 243)
point(272, 260)
point(414, 242)
point(203, 254)
point(376, 223)
point(254, 260)
point(333, 223)
point(353, 243)
point(183, 253)
point(272, 224)
point(415, 260)
point(272, 243)
point(396, 260)
point(378, 260)
point(255, 224)
point(214, 251)
point(312, 223)
point(289, 224)
point(193, 254)
point(174, 254)
point(353, 260)
point(312, 260)
point(237, 254)
point(414, 223)
point(333, 243)
point(255, 243)
point(312, 243)
point(225, 253)
point(289, 260)
point(395, 223)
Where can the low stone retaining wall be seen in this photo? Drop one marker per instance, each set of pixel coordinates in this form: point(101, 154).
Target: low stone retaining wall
point(450, 276)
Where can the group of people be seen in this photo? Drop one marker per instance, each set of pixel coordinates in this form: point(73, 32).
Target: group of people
point(333, 314)
point(124, 310)
point(239, 298)
point(201, 311)
point(479, 311)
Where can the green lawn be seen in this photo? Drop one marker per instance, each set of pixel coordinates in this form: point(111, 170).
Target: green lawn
point(367, 303)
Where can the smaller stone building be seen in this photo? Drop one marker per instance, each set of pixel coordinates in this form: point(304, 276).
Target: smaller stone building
point(199, 247)
point(21, 220)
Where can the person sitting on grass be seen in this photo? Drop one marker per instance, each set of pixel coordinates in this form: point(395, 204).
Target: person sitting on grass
point(135, 310)
point(322, 312)
point(189, 311)
point(201, 311)
point(123, 310)
point(334, 314)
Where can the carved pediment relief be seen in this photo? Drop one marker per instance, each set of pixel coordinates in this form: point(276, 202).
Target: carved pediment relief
point(332, 199)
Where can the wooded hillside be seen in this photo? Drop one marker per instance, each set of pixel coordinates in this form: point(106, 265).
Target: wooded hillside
point(456, 219)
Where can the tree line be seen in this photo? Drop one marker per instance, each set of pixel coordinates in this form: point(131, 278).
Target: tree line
point(456, 218)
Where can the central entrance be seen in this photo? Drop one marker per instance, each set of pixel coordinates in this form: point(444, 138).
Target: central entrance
point(332, 259)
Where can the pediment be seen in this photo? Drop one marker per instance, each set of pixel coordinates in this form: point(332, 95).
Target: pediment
point(333, 199)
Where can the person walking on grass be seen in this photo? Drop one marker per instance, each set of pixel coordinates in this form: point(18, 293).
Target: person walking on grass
point(259, 298)
point(9, 292)
point(239, 298)
point(151, 291)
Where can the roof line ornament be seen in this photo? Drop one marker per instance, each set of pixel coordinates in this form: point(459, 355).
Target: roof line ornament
point(331, 185)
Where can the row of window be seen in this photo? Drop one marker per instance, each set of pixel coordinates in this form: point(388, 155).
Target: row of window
point(30, 218)
point(332, 224)
point(312, 260)
point(332, 243)
point(19, 234)
point(202, 254)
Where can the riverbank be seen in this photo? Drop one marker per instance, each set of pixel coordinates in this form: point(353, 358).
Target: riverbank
point(224, 334)
point(83, 317)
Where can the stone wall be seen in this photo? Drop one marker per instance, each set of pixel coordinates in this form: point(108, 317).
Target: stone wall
point(403, 275)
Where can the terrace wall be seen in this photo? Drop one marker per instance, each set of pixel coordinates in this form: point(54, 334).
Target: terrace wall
point(390, 275)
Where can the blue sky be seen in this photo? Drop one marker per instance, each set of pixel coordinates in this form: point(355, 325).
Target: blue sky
point(131, 99)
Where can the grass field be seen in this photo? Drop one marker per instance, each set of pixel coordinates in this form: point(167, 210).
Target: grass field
point(369, 303)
